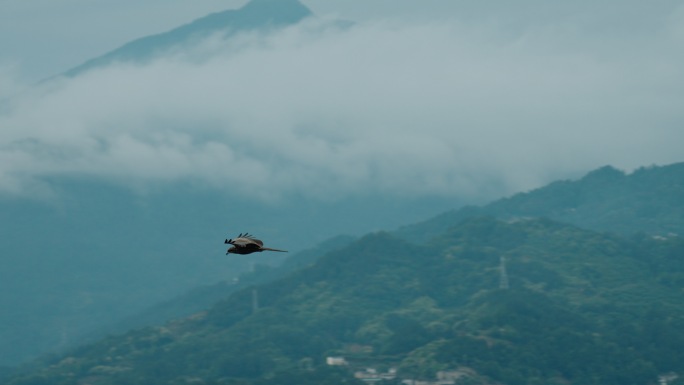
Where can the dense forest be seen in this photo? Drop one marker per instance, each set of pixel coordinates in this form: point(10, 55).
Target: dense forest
point(507, 299)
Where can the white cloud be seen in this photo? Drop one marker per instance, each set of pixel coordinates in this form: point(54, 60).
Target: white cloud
point(384, 108)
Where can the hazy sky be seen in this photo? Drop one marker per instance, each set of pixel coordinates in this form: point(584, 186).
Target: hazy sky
point(420, 97)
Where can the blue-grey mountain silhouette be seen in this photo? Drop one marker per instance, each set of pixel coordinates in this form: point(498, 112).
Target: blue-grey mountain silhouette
point(253, 16)
point(93, 284)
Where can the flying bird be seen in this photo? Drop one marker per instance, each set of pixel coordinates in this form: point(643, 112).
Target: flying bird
point(247, 244)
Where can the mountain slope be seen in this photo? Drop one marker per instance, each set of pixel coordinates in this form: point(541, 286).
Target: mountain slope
point(96, 252)
point(99, 253)
point(648, 200)
point(582, 307)
point(255, 15)
point(88, 295)
point(203, 297)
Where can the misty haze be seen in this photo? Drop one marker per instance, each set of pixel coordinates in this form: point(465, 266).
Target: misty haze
point(469, 193)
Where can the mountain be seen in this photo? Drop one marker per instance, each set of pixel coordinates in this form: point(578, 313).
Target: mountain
point(256, 15)
point(605, 199)
point(93, 253)
point(573, 306)
point(648, 200)
point(101, 257)
point(98, 254)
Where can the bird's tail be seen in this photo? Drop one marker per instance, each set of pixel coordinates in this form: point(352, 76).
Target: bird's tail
point(269, 249)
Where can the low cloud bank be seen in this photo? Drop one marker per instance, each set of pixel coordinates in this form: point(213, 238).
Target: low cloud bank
point(380, 108)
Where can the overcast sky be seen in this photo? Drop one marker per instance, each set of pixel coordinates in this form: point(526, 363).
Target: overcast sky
point(420, 97)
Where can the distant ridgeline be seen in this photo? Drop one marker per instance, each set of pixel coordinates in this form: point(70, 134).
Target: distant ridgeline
point(485, 300)
point(649, 200)
point(255, 15)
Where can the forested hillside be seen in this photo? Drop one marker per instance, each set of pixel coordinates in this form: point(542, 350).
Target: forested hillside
point(649, 200)
point(574, 306)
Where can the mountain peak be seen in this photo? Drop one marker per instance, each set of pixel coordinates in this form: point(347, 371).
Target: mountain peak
point(270, 5)
point(607, 173)
point(255, 15)
point(276, 12)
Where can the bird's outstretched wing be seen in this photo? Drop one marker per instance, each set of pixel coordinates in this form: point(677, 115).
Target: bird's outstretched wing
point(244, 239)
